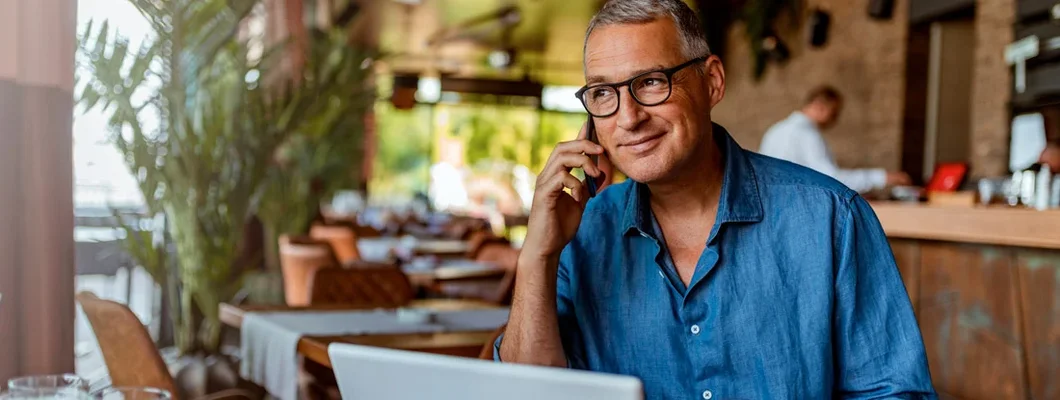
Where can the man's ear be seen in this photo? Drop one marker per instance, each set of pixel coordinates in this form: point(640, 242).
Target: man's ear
point(715, 79)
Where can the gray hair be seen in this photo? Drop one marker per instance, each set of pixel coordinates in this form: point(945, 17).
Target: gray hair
point(615, 12)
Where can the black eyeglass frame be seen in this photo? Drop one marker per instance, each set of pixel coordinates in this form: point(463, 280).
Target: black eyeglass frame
point(668, 72)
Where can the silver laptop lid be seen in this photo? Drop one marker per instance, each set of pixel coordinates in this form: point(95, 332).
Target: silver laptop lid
point(368, 373)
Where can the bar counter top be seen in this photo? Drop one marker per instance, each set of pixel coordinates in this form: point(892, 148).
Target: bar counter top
point(996, 225)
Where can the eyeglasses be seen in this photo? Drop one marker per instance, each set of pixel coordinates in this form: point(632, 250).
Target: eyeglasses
point(648, 89)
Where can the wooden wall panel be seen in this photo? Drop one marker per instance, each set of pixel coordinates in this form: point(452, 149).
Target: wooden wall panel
point(969, 318)
point(1039, 279)
point(907, 256)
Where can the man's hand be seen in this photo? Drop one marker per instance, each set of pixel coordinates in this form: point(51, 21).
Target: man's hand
point(555, 214)
point(533, 333)
point(898, 178)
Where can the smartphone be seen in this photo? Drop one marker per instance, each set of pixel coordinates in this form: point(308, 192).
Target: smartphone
point(591, 182)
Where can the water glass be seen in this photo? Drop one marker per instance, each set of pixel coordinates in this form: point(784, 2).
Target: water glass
point(52, 394)
point(48, 386)
point(133, 393)
point(1011, 188)
point(986, 191)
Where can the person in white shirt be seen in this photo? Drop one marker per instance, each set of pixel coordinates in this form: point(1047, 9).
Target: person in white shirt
point(798, 139)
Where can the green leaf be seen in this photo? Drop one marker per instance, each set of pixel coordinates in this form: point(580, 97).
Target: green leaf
point(144, 57)
point(152, 13)
point(101, 40)
point(89, 97)
point(88, 30)
point(119, 52)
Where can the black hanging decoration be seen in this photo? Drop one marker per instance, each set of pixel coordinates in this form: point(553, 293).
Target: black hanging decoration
point(759, 17)
point(775, 49)
point(818, 25)
point(716, 17)
point(881, 9)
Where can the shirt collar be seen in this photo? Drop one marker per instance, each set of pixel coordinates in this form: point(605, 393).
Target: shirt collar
point(740, 200)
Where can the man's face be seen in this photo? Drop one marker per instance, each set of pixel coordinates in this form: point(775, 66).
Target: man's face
point(827, 113)
point(650, 144)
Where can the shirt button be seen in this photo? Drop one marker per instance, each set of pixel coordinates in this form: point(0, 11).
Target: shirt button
point(707, 395)
point(695, 331)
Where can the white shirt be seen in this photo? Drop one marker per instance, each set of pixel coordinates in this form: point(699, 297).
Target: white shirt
point(798, 139)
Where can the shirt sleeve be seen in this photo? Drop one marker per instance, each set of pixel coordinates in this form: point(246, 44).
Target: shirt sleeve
point(568, 326)
point(878, 349)
point(815, 155)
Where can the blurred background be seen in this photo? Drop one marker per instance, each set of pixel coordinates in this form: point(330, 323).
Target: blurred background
point(182, 144)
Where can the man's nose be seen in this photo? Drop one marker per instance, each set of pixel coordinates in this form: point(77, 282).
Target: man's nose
point(630, 113)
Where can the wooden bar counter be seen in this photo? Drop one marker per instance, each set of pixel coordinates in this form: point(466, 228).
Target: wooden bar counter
point(985, 285)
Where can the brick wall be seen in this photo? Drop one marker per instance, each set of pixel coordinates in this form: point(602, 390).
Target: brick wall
point(991, 87)
point(865, 59)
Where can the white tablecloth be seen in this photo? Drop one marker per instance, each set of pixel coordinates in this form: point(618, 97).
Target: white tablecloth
point(377, 249)
point(270, 339)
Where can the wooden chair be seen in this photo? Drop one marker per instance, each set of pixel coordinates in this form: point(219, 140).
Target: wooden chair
point(501, 254)
point(505, 256)
point(300, 257)
point(341, 237)
point(491, 290)
point(460, 227)
point(365, 231)
point(359, 285)
point(367, 286)
point(505, 289)
point(479, 239)
point(129, 353)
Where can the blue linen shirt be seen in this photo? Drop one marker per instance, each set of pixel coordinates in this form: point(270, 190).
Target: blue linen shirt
point(796, 296)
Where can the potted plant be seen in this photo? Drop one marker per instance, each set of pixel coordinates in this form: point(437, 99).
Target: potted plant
point(199, 113)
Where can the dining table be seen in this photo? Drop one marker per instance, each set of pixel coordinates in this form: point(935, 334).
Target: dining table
point(383, 249)
point(465, 343)
point(430, 271)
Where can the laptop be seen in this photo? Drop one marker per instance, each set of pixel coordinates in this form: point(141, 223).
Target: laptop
point(370, 373)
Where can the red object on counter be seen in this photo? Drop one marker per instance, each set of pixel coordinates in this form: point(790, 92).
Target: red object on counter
point(948, 177)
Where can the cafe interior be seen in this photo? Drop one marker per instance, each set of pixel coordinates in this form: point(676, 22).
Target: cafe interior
point(203, 198)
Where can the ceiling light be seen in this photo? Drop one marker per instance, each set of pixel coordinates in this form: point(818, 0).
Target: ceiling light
point(502, 59)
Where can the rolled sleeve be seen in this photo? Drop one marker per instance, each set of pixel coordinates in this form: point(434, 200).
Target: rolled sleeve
point(880, 352)
point(497, 348)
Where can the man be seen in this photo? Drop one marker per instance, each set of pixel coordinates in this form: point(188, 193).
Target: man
point(798, 139)
point(713, 272)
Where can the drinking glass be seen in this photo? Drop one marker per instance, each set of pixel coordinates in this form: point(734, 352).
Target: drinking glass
point(45, 394)
point(986, 191)
point(1012, 188)
point(48, 386)
point(132, 393)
